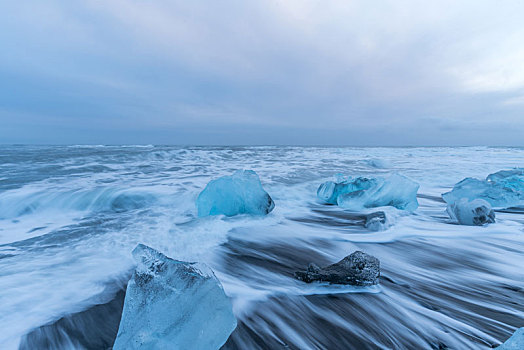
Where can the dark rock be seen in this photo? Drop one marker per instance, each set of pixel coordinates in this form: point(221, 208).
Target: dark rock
point(483, 215)
point(358, 269)
point(314, 268)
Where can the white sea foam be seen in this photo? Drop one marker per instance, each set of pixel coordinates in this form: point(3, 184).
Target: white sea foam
point(68, 226)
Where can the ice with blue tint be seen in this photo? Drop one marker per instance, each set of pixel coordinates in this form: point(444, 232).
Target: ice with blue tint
point(377, 163)
point(240, 193)
point(476, 212)
point(515, 342)
point(360, 193)
point(329, 191)
point(502, 189)
point(513, 178)
point(171, 304)
point(377, 221)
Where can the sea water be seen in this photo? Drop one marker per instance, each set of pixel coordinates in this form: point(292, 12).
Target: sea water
point(70, 217)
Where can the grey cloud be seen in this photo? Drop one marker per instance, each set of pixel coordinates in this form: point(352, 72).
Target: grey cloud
point(341, 72)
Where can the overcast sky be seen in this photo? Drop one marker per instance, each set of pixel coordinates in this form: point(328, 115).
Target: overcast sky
point(262, 72)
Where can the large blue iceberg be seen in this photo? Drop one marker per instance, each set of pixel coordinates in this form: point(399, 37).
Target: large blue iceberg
point(515, 342)
point(171, 304)
point(502, 189)
point(240, 193)
point(360, 193)
point(476, 212)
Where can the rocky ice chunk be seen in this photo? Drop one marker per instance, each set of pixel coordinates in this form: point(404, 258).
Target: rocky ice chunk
point(502, 189)
point(171, 304)
point(240, 193)
point(515, 342)
point(360, 193)
point(358, 269)
point(476, 212)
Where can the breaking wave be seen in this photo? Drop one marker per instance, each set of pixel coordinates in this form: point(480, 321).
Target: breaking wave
point(70, 217)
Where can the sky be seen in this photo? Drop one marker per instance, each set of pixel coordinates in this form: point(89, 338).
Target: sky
point(290, 72)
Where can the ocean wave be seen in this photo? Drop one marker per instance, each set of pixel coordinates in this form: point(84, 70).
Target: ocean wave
point(14, 204)
point(70, 217)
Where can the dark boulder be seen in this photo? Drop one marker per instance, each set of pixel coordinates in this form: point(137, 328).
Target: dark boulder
point(358, 269)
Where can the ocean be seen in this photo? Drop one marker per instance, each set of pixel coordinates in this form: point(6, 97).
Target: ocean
point(71, 215)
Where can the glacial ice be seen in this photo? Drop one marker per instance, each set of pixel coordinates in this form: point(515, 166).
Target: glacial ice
point(358, 269)
point(475, 212)
point(502, 189)
point(240, 193)
point(377, 163)
point(330, 191)
point(376, 221)
point(513, 178)
point(515, 342)
point(171, 304)
point(356, 194)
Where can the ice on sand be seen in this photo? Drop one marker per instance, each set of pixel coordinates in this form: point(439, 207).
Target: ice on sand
point(171, 304)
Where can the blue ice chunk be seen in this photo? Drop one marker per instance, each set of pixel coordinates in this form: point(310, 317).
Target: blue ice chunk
point(475, 212)
point(502, 189)
point(329, 191)
point(515, 342)
point(495, 194)
point(240, 193)
point(513, 178)
point(356, 194)
point(171, 304)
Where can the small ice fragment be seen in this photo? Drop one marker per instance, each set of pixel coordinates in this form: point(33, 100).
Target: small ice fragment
point(377, 163)
point(376, 221)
